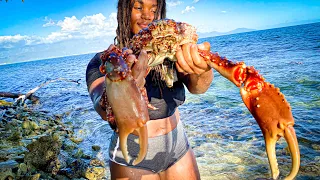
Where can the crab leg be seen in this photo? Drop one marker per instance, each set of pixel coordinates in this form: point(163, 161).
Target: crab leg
point(267, 105)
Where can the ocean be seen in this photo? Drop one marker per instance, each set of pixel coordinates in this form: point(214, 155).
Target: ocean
point(226, 139)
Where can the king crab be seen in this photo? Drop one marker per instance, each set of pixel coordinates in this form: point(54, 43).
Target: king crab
point(161, 39)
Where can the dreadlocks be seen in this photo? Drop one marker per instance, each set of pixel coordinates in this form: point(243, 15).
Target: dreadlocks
point(124, 33)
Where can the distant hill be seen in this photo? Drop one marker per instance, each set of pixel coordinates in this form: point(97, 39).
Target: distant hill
point(292, 23)
point(242, 30)
point(216, 33)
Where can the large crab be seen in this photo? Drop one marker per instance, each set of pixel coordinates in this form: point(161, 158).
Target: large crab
point(160, 39)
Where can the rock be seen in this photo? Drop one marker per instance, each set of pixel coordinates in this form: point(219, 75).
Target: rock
point(8, 164)
point(43, 152)
point(67, 172)
point(11, 126)
point(95, 173)
point(17, 150)
point(30, 127)
point(96, 148)
point(34, 125)
point(76, 140)
point(15, 136)
point(26, 125)
point(6, 169)
point(43, 122)
point(77, 153)
point(53, 167)
point(6, 174)
point(23, 168)
point(5, 103)
point(69, 145)
point(96, 162)
point(86, 156)
point(316, 147)
point(63, 159)
point(52, 150)
point(61, 177)
point(78, 167)
point(3, 155)
point(33, 177)
point(19, 158)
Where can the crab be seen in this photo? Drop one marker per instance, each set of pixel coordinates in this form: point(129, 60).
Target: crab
point(160, 39)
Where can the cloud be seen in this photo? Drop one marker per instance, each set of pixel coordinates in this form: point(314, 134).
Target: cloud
point(195, 1)
point(15, 38)
point(50, 22)
point(55, 37)
point(88, 27)
point(188, 9)
point(13, 41)
point(173, 3)
point(69, 24)
point(223, 11)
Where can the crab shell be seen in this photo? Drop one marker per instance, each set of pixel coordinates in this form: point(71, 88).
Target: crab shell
point(161, 40)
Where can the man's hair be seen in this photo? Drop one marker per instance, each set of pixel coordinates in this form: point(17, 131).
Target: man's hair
point(124, 33)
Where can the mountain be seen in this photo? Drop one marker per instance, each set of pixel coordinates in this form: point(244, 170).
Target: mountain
point(242, 30)
point(216, 33)
point(294, 23)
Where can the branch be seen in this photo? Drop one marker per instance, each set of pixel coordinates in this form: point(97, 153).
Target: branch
point(21, 99)
point(33, 98)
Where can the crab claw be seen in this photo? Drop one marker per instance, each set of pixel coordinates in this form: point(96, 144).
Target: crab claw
point(143, 142)
point(273, 114)
point(131, 114)
point(126, 99)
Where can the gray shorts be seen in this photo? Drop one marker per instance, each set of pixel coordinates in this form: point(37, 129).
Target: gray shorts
point(163, 151)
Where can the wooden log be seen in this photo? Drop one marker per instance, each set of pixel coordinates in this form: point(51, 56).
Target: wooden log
point(33, 98)
point(21, 98)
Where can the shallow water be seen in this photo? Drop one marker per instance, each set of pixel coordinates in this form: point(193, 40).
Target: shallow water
point(224, 136)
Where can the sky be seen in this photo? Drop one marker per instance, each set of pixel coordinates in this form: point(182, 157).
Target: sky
point(41, 29)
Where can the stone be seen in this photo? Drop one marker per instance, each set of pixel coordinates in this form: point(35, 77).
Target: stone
point(96, 147)
point(23, 168)
point(6, 174)
point(76, 140)
point(9, 164)
point(95, 173)
point(69, 145)
point(43, 151)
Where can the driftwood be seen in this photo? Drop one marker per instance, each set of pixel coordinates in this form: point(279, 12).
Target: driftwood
point(21, 98)
point(32, 97)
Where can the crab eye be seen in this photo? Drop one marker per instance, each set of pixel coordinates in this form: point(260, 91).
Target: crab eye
point(109, 67)
point(116, 68)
